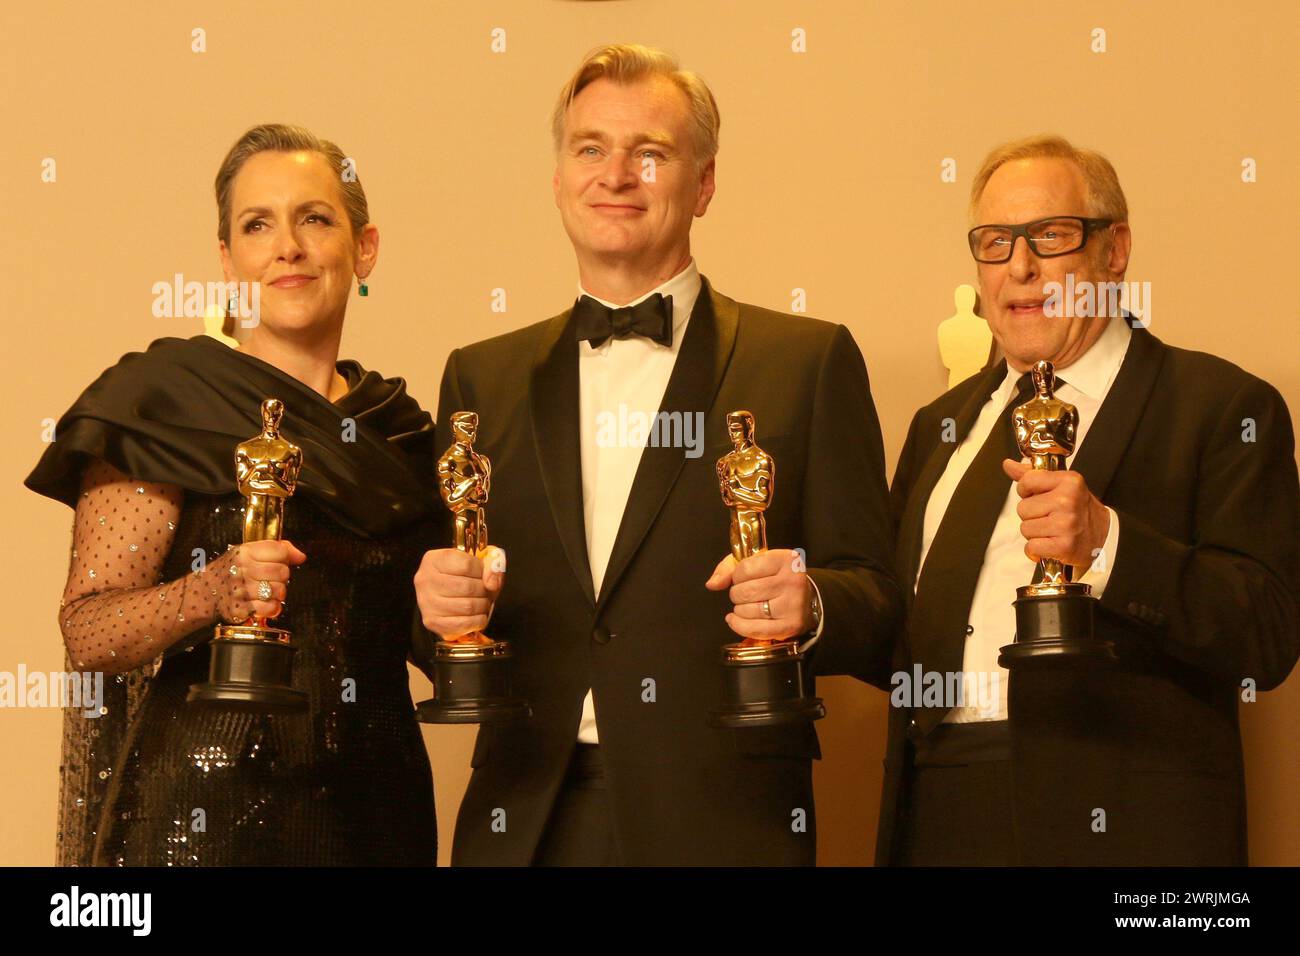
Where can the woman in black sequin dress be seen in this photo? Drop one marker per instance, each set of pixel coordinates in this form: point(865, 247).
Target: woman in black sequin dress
point(146, 457)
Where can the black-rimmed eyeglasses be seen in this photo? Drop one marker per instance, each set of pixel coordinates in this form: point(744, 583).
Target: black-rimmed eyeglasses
point(1057, 236)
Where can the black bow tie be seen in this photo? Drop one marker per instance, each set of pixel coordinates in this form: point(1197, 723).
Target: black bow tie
point(651, 317)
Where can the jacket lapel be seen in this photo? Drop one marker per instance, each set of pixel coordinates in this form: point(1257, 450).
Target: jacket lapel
point(553, 400)
point(912, 523)
point(696, 375)
point(1109, 435)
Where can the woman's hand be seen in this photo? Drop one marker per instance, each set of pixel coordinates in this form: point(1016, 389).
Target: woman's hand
point(255, 576)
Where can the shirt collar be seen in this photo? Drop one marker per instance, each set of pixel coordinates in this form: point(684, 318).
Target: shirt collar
point(1094, 371)
point(683, 287)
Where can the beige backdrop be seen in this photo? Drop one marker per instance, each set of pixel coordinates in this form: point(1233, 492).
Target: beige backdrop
point(828, 181)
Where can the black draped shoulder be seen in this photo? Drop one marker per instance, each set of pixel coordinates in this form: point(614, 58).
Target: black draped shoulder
point(175, 412)
point(353, 783)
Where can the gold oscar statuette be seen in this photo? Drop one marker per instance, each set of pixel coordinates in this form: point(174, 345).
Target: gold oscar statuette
point(1054, 614)
point(251, 661)
point(763, 678)
point(471, 671)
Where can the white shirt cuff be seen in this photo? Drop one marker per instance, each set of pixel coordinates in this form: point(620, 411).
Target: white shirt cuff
point(1098, 572)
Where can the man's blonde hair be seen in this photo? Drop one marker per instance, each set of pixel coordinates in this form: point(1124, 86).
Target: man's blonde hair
point(1105, 198)
point(626, 63)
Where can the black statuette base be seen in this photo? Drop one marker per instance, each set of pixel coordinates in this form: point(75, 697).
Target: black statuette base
point(250, 675)
point(471, 689)
point(1055, 628)
point(764, 693)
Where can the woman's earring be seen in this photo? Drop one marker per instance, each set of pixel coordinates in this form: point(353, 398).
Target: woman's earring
point(362, 288)
point(232, 306)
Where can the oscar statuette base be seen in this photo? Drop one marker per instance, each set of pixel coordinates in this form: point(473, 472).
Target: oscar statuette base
point(251, 670)
point(764, 687)
point(471, 685)
point(1054, 623)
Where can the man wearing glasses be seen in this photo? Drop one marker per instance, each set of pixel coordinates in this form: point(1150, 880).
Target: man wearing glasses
point(1179, 507)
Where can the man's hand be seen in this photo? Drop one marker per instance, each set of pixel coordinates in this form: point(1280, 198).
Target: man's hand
point(777, 577)
point(456, 591)
point(1059, 517)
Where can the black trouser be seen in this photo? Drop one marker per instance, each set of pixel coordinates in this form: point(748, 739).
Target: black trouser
point(580, 831)
point(958, 795)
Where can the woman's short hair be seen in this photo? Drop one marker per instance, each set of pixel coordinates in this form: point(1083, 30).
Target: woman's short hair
point(625, 63)
point(277, 137)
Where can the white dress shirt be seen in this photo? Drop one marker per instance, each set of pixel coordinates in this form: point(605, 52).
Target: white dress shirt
point(621, 378)
point(632, 372)
point(992, 620)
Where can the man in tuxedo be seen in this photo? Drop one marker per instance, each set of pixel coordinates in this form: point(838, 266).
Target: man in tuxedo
point(1178, 506)
point(620, 590)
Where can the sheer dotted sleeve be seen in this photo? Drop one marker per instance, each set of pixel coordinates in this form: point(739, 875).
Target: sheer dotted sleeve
point(116, 614)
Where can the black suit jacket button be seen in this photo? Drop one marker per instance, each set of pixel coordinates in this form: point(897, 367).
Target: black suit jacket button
point(1134, 608)
point(913, 731)
point(601, 635)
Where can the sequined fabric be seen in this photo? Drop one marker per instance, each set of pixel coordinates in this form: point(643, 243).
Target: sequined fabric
point(347, 782)
point(88, 749)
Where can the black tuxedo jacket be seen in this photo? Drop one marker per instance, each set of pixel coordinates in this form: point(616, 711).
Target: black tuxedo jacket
point(680, 791)
point(1196, 457)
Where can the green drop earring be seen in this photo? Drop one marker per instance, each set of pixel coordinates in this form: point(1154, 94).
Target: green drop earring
point(362, 288)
